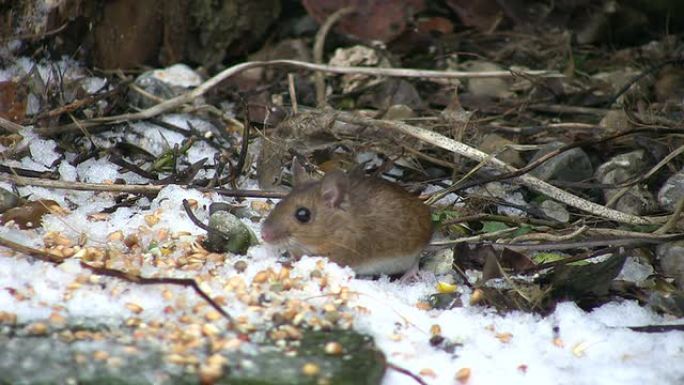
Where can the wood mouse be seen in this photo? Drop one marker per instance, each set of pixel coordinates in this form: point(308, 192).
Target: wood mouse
point(372, 225)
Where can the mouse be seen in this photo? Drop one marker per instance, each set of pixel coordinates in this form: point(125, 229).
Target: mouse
point(367, 223)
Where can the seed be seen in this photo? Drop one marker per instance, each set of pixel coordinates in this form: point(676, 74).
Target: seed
point(115, 236)
point(100, 355)
point(333, 348)
point(310, 369)
point(260, 277)
point(462, 375)
point(212, 315)
point(37, 329)
point(131, 240)
point(134, 308)
point(151, 219)
point(240, 266)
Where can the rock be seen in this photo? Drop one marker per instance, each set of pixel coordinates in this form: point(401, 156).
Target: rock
point(230, 235)
point(555, 210)
point(635, 271)
point(672, 191)
point(616, 121)
point(638, 200)
point(492, 143)
point(489, 87)
point(164, 84)
point(53, 359)
point(363, 363)
point(440, 263)
point(671, 256)
point(8, 200)
point(570, 166)
point(504, 191)
point(399, 112)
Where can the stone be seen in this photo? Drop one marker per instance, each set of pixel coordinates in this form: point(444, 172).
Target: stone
point(671, 256)
point(638, 200)
point(672, 191)
point(570, 166)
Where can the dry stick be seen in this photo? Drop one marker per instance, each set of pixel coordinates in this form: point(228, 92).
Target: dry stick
point(54, 259)
point(479, 156)
point(293, 92)
point(10, 126)
point(319, 44)
point(130, 189)
point(187, 97)
point(590, 243)
point(548, 237)
point(406, 372)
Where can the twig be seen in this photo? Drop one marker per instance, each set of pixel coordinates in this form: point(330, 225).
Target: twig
point(244, 146)
point(475, 238)
point(406, 372)
point(589, 243)
point(503, 218)
point(187, 97)
point(54, 259)
point(131, 188)
point(10, 126)
point(293, 92)
point(549, 237)
point(477, 155)
point(564, 109)
point(319, 45)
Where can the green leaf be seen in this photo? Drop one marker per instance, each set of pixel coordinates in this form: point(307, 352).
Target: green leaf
point(490, 227)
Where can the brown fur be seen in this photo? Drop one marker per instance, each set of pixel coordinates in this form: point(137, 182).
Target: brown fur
point(375, 219)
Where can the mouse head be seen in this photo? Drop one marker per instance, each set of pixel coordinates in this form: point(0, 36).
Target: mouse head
point(308, 215)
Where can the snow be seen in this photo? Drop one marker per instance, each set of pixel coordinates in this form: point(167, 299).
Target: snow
point(569, 346)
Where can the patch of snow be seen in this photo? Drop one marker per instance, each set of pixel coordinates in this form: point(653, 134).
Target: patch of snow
point(178, 75)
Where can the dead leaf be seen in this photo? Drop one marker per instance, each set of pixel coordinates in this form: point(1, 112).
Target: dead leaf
point(29, 216)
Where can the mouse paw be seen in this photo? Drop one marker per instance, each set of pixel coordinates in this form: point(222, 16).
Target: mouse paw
point(410, 276)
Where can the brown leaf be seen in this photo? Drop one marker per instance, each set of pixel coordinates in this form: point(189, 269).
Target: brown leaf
point(12, 101)
point(29, 216)
point(373, 20)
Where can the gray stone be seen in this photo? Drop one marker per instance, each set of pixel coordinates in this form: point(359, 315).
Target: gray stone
point(570, 166)
point(555, 210)
point(638, 200)
point(51, 359)
point(634, 270)
point(672, 191)
point(494, 143)
point(671, 256)
point(8, 200)
point(230, 235)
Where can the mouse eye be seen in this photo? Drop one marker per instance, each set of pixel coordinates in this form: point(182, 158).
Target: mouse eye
point(303, 214)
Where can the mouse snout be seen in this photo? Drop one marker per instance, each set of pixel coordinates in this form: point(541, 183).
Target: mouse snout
point(270, 233)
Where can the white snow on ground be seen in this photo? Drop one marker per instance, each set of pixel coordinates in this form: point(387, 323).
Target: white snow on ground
point(518, 348)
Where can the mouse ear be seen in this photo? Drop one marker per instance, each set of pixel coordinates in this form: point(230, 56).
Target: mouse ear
point(334, 188)
point(299, 174)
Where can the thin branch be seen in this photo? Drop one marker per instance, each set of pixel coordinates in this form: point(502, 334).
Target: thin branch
point(10, 126)
point(319, 45)
point(131, 188)
point(406, 372)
